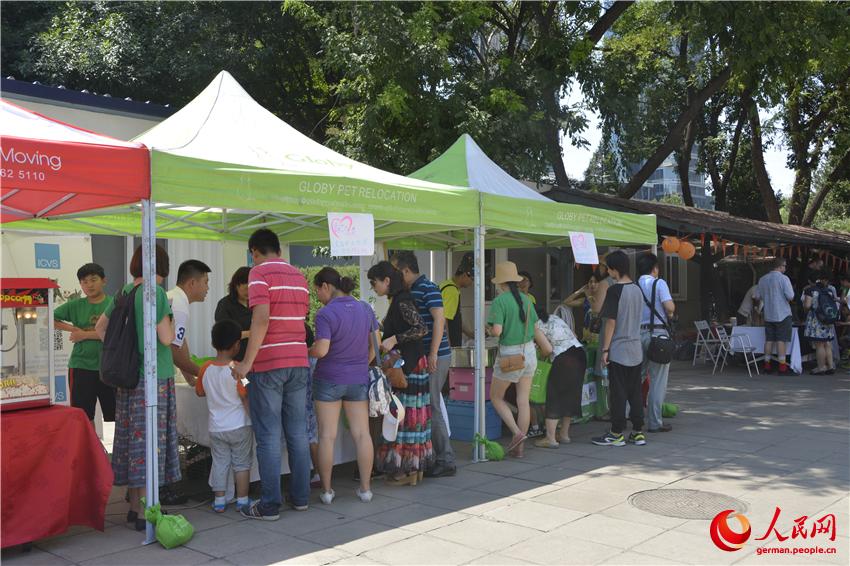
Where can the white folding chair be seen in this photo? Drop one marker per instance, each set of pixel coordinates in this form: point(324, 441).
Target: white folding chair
point(727, 346)
point(706, 343)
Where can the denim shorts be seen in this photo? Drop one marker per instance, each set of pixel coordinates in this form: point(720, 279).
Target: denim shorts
point(778, 331)
point(328, 391)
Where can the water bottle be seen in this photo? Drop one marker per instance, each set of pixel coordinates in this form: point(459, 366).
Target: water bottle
point(605, 376)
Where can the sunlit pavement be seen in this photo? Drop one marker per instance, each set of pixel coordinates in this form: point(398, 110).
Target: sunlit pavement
point(770, 442)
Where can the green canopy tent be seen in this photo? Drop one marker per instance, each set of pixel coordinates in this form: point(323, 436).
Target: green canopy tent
point(224, 166)
point(515, 215)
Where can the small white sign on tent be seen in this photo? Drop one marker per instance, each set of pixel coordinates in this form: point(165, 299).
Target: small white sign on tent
point(351, 234)
point(584, 248)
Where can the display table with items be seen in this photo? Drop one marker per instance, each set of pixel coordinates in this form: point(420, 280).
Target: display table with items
point(55, 474)
point(193, 425)
point(793, 350)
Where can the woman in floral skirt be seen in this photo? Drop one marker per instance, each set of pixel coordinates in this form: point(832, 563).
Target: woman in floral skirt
point(406, 459)
point(820, 334)
point(128, 451)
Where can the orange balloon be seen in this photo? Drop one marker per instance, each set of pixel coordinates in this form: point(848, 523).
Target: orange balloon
point(670, 245)
point(687, 250)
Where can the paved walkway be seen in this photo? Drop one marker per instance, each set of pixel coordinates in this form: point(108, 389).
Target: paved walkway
point(768, 441)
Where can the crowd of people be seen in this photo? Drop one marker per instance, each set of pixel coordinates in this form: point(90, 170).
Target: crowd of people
point(823, 309)
point(274, 377)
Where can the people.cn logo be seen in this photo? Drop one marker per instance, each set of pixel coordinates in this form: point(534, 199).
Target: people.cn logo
point(722, 534)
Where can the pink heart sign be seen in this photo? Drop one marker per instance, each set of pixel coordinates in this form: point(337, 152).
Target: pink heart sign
point(341, 227)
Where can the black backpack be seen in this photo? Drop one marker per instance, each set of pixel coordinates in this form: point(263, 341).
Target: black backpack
point(120, 360)
point(827, 310)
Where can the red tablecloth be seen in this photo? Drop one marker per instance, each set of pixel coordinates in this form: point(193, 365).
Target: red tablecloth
point(55, 473)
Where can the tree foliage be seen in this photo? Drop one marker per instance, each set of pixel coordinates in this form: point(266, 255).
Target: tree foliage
point(393, 84)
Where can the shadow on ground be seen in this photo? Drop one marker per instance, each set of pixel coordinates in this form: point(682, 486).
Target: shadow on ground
point(768, 441)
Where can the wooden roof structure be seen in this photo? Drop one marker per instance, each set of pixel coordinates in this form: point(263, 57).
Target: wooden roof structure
point(677, 219)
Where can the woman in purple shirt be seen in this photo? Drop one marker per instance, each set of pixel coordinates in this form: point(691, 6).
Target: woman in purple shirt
point(343, 348)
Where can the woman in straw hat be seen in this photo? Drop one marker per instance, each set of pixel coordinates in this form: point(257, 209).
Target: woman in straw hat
point(512, 318)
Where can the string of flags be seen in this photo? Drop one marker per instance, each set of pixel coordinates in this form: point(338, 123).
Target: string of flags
point(719, 246)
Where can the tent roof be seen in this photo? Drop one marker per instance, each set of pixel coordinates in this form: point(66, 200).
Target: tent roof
point(517, 215)
point(465, 164)
point(225, 150)
point(51, 168)
point(224, 166)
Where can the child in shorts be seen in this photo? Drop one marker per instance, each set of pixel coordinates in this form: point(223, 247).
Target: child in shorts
point(231, 437)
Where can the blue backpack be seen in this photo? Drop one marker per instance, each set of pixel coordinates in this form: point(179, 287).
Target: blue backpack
point(827, 309)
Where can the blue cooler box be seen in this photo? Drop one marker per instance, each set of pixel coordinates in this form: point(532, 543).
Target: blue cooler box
point(462, 420)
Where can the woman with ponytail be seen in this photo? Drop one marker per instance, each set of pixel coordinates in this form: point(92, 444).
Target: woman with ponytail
point(343, 347)
point(512, 318)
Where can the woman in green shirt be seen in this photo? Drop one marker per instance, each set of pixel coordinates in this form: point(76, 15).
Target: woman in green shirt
point(128, 450)
point(512, 318)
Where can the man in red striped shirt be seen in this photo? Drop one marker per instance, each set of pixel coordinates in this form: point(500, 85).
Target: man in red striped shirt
point(276, 366)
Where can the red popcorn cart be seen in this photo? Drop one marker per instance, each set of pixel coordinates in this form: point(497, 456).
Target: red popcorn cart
point(27, 364)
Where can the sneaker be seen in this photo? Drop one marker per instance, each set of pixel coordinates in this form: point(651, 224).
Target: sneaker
point(767, 368)
point(252, 511)
point(327, 497)
point(299, 507)
point(219, 507)
point(169, 495)
point(365, 496)
point(376, 475)
point(315, 481)
point(440, 471)
point(241, 506)
point(609, 439)
point(783, 369)
point(637, 438)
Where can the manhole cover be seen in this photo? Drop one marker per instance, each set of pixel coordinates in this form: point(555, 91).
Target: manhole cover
point(685, 503)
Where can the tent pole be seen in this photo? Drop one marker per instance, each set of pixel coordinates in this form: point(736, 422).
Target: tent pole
point(479, 426)
point(150, 340)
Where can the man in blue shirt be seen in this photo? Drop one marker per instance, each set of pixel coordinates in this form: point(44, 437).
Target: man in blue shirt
point(647, 267)
point(429, 303)
point(776, 293)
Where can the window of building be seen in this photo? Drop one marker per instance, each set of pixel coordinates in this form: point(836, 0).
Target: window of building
point(676, 275)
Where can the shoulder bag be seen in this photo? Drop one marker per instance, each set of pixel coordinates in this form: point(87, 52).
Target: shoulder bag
point(660, 348)
point(516, 362)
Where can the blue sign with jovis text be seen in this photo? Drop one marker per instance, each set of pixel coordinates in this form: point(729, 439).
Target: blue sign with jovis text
point(47, 256)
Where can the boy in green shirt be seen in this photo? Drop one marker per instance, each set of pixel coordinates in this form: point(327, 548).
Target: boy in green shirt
point(79, 317)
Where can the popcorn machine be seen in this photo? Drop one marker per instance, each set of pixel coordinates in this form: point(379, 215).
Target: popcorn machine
point(27, 363)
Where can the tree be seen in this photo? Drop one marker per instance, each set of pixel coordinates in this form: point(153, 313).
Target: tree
point(167, 52)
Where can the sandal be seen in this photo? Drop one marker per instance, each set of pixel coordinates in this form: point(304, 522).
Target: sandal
point(517, 440)
point(545, 443)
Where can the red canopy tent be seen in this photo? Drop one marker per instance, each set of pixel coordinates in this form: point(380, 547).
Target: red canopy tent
point(50, 168)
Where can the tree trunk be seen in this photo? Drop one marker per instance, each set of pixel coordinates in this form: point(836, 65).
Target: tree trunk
point(684, 164)
point(762, 179)
point(675, 133)
point(800, 192)
point(733, 156)
point(607, 20)
point(553, 139)
point(683, 161)
point(840, 171)
point(551, 100)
